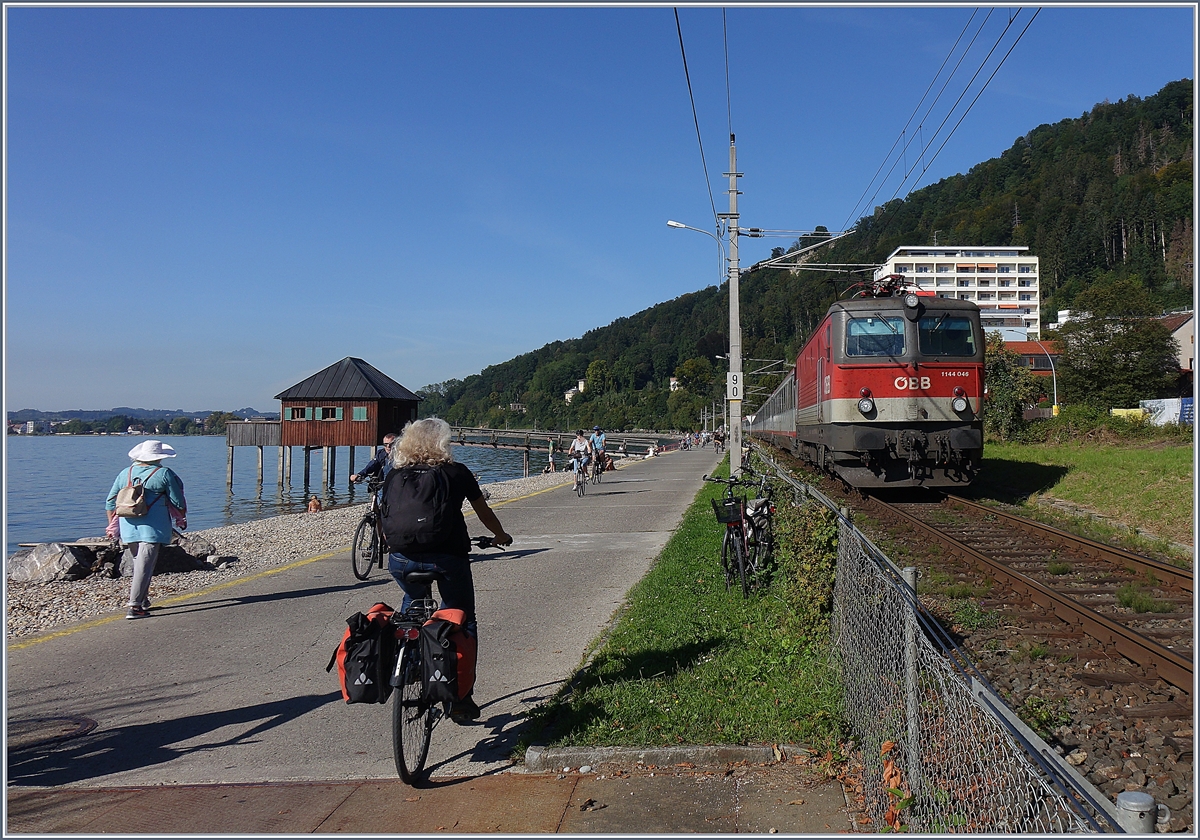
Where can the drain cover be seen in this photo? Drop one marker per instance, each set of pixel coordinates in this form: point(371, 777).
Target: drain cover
point(37, 732)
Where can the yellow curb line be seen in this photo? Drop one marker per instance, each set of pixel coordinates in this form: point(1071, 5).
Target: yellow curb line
point(174, 599)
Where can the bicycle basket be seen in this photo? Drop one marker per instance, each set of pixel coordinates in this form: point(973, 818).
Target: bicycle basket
point(727, 510)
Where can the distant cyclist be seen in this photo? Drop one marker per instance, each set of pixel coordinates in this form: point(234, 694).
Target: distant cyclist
point(580, 452)
point(597, 441)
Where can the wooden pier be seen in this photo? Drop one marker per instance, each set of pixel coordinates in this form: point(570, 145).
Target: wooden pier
point(264, 433)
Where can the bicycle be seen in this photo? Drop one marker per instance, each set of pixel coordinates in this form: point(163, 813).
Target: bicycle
point(369, 548)
point(597, 467)
point(580, 471)
point(413, 718)
point(760, 528)
point(730, 511)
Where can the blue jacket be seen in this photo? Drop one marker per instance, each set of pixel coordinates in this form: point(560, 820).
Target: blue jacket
point(381, 464)
point(161, 487)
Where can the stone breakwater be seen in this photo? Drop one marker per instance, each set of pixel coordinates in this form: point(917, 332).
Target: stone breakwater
point(263, 544)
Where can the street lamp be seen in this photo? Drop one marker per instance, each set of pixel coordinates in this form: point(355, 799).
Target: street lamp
point(1053, 376)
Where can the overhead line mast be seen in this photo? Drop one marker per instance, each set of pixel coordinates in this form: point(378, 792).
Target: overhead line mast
point(734, 387)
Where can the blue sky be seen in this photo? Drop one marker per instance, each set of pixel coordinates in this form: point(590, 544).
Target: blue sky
point(206, 205)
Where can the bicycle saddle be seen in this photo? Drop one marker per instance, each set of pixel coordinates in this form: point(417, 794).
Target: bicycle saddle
point(423, 577)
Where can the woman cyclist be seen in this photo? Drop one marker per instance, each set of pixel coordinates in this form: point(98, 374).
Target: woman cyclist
point(580, 453)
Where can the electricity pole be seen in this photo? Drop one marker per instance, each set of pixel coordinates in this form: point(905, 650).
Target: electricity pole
point(734, 383)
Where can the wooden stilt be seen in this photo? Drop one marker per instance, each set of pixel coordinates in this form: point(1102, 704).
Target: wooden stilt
point(229, 467)
point(526, 459)
point(332, 452)
point(279, 472)
point(307, 465)
point(260, 466)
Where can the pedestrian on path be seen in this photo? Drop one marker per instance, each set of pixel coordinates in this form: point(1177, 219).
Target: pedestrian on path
point(144, 534)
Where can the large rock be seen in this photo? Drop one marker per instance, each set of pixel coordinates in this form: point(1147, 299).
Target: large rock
point(51, 561)
point(186, 554)
point(198, 547)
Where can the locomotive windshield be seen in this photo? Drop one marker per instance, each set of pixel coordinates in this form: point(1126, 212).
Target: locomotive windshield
point(877, 335)
point(945, 335)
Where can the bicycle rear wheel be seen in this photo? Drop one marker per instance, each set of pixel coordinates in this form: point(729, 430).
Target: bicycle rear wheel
point(412, 720)
point(727, 561)
point(364, 551)
point(738, 544)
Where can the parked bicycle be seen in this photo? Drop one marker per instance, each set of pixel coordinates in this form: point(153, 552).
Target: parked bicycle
point(369, 548)
point(748, 542)
point(414, 718)
point(760, 528)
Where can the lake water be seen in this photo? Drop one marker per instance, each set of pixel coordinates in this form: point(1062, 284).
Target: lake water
point(55, 485)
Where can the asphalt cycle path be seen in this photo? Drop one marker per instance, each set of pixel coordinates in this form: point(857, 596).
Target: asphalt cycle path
point(228, 685)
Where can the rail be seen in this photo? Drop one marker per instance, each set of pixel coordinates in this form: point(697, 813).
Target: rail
point(1169, 665)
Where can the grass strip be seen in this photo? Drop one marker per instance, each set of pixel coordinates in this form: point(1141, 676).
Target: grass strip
point(688, 662)
point(1143, 486)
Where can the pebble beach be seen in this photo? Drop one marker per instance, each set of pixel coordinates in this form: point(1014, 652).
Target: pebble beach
point(32, 608)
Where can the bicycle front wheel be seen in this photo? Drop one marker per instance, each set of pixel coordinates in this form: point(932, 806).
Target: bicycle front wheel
point(364, 551)
point(412, 720)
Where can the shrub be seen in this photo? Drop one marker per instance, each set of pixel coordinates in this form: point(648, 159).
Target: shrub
point(806, 540)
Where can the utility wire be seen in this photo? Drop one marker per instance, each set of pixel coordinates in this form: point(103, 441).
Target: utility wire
point(695, 119)
point(981, 90)
point(855, 210)
point(887, 220)
point(949, 113)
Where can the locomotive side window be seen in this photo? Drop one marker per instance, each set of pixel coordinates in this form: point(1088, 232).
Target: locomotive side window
point(875, 336)
point(945, 335)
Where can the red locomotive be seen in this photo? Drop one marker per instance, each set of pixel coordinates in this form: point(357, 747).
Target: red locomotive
point(888, 391)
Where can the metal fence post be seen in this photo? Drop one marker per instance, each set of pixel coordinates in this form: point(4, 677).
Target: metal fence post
point(912, 704)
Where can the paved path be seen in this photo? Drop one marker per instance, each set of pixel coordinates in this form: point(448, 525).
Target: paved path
point(231, 686)
point(216, 714)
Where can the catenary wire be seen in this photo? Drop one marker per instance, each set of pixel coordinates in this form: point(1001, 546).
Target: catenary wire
point(695, 118)
point(928, 111)
point(890, 216)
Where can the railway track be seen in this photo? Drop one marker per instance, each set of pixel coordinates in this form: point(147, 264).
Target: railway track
point(1095, 588)
point(1121, 723)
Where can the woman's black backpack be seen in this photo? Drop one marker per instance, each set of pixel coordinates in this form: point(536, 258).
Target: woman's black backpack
point(415, 507)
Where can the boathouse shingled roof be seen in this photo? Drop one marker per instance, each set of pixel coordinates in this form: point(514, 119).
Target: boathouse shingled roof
point(349, 379)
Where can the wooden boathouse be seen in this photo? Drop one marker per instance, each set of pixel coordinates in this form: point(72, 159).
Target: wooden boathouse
point(350, 403)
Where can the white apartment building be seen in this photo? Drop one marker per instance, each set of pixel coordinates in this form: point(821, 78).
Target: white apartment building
point(999, 278)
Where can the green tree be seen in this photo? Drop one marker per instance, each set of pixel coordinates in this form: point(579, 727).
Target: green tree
point(1011, 388)
point(214, 424)
point(180, 425)
point(695, 376)
point(598, 377)
point(1114, 362)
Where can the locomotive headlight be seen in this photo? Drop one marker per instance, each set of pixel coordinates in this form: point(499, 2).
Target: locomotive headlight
point(959, 403)
point(865, 404)
point(911, 300)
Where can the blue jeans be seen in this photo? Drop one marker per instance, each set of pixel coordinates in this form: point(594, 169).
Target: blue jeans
point(457, 591)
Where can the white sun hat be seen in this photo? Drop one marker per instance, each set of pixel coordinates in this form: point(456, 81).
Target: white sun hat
point(152, 450)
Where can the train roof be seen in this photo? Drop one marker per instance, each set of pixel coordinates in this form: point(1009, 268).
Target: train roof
point(897, 302)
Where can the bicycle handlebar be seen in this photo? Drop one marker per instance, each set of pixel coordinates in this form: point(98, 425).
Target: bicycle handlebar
point(484, 541)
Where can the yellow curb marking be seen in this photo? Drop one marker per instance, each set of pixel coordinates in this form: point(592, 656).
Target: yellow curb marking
point(175, 599)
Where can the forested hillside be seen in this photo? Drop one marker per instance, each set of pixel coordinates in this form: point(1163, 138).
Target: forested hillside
point(1102, 199)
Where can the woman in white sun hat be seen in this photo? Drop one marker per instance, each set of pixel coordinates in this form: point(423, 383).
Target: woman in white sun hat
point(144, 534)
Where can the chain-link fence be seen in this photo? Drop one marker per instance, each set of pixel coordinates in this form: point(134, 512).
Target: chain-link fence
point(941, 752)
